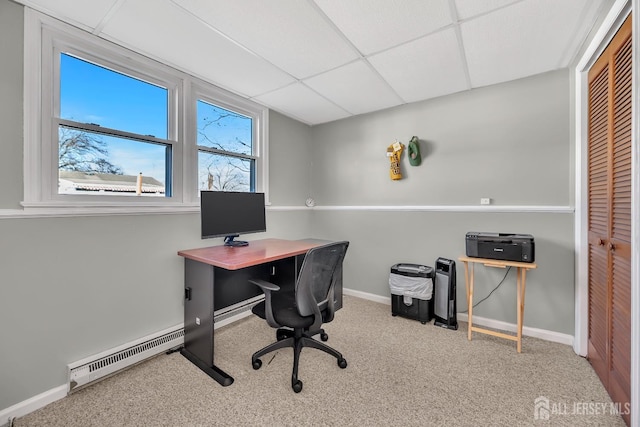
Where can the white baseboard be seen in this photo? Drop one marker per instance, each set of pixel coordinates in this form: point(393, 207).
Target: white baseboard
point(36, 402)
point(367, 296)
point(482, 321)
point(224, 322)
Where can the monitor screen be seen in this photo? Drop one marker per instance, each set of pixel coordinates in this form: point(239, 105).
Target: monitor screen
point(225, 213)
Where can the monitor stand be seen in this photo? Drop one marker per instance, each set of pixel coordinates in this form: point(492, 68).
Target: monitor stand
point(229, 241)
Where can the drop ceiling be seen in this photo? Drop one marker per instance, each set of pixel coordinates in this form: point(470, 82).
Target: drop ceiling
point(323, 60)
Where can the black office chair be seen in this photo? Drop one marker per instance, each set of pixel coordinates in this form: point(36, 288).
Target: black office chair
point(303, 309)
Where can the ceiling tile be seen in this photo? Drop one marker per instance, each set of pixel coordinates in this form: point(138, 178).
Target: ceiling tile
point(355, 87)
point(526, 38)
point(85, 14)
point(300, 102)
point(425, 68)
point(166, 32)
point(293, 36)
point(375, 25)
point(468, 8)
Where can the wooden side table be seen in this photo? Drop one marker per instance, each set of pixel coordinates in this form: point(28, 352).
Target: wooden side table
point(522, 268)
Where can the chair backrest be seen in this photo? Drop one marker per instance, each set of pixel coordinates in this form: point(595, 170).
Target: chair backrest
point(314, 287)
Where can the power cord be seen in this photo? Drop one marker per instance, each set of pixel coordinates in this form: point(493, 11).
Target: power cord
point(494, 289)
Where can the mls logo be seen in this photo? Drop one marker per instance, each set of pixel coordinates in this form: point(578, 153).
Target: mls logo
point(541, 408)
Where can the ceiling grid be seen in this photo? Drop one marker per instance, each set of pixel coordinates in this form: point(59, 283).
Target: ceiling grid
point(323, 60)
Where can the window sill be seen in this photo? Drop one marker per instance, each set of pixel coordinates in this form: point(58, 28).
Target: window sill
point(43, 210)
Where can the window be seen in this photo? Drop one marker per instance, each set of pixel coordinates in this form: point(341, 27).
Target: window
point(109, 129)
point(230, 138)
point(112, 132)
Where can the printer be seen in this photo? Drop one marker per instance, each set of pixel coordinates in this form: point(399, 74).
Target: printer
point(502, 246)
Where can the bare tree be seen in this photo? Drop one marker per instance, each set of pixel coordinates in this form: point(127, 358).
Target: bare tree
point(84, 152)
point(226, 174)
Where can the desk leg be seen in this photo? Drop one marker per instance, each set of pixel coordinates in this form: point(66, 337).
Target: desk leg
point(199, 321)
point(213, 371)
point(521, 283)
point(468, 280)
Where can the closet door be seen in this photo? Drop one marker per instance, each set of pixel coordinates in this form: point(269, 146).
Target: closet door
point(620, 236)
point(598, 218)
point(610, 216)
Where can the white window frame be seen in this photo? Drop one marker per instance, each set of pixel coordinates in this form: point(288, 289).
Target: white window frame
point(44, 39)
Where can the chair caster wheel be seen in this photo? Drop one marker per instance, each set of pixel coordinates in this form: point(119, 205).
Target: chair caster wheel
point(297, 386)
point(342, 363)
point(324, 337)
point(280, 336)
point(257, 364)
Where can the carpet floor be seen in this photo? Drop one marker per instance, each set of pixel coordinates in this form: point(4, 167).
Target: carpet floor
point(400, 372)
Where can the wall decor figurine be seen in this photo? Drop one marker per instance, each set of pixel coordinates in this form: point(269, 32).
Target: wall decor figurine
point(414, 151)
point(394, 152)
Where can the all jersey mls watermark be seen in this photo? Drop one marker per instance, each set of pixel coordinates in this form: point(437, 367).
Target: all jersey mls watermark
point(544, 409)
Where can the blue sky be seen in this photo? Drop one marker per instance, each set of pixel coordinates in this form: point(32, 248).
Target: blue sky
point(93, 94)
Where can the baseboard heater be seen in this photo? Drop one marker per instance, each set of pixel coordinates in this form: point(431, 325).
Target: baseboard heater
point(99, 366)
point(235, 311)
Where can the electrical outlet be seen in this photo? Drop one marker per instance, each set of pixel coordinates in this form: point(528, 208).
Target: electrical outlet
point(485, 201)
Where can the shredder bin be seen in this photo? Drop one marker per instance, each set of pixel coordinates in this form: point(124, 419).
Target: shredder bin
point(411, 287)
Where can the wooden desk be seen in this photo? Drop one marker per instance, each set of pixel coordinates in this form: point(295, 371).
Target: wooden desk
point(218, 276)
point(521, 281)
point(258, 252)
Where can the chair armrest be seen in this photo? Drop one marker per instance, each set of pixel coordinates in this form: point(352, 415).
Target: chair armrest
point(268, 287)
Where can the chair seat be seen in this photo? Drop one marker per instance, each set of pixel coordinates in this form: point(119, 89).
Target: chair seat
point(284, 310)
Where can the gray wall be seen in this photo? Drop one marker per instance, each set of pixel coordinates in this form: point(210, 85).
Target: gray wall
point(11, 82)
point(74, 286)
point(510, 142)
point(289, 162)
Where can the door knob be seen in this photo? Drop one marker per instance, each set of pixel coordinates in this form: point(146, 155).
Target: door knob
point(600, 242)
point(612, 247)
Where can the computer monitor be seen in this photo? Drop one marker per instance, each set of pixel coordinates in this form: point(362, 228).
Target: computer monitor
point(229, 214)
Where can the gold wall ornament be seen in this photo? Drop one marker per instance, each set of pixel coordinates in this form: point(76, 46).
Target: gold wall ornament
point(394, 152)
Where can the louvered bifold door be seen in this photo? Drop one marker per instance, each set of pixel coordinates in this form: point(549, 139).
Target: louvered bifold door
point(620, 237)
point(598, 219)
point(610, 217)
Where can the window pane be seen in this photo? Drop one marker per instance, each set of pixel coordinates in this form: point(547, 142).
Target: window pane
point(224, 173)
point(223, 129)
point(93, 163)
point(94, 94)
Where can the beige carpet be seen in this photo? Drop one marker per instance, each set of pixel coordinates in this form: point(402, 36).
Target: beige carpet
point(400, 373)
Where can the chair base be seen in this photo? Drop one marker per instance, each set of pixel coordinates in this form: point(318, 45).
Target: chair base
point(297, 339)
